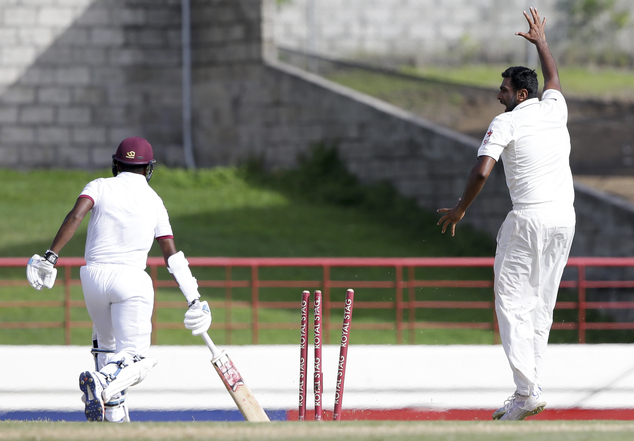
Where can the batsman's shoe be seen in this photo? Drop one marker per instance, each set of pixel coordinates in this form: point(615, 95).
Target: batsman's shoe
point(524, 406)
point(90, 385)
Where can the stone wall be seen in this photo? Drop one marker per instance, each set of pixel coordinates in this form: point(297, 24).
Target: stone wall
point(427, 162)
point(380, 142)
point(230, 40)
point(76, 77)
point(431, 31)
point(253, 106)
point(247, 105)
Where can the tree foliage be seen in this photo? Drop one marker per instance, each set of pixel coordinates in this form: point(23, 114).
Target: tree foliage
point(592, 29)
point(591, 19)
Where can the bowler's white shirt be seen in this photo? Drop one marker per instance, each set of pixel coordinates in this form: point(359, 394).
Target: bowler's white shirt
point(126, 217)
point(534, 144)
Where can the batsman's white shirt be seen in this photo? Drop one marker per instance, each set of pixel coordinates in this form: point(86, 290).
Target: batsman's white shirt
point(126, 217)
point(534, 241)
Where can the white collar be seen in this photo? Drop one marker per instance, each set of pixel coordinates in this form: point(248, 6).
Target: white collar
point(528, 102)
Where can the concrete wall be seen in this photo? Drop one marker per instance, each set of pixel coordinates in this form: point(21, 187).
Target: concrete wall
point(250, 106)
point(429, 31)
point(76, 77)
point(605, 224)
point(380, 142)
point(230, 40)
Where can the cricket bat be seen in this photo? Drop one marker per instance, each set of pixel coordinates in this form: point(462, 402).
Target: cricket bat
point(244, 399)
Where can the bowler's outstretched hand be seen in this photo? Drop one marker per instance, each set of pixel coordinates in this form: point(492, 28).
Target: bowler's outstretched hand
point(535, 34)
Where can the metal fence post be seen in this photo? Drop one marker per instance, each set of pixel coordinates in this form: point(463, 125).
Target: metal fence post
point(411, 306)
point(399, 304)
point(228, 318)
point(581, 322)
point(255, 304)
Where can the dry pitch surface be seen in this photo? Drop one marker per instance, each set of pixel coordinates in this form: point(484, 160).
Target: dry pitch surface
point(325, 431)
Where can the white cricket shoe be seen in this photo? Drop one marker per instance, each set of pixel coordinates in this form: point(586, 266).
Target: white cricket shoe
point(90, 384)
point(521, 406)
point(508, 404)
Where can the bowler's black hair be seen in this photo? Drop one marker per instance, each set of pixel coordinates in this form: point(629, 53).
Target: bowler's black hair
point(522, 78)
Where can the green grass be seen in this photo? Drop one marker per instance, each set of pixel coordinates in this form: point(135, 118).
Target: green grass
point(440, 103)
point(318, 209)
point(470, 110)
point(326, 431)
point(233, 212)
point(604, 83)
point(245, 212)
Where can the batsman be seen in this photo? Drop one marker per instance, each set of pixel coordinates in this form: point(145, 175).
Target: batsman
point(127, 215)
point(534, 242)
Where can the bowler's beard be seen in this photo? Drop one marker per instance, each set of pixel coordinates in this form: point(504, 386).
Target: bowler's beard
point(510, 106)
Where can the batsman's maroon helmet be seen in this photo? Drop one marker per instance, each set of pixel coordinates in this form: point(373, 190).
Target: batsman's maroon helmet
point(134, 150)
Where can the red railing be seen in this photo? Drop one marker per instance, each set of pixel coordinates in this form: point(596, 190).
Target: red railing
point(404, 280)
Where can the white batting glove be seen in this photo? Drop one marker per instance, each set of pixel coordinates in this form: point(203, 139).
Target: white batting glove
point(198, 317)
point(40, 272)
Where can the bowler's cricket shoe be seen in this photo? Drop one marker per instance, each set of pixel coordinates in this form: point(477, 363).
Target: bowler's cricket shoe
point(508, 404)
point(524, 406)
point(91, 386)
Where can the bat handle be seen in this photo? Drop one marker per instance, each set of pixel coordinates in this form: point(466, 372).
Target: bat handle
point(210, 344)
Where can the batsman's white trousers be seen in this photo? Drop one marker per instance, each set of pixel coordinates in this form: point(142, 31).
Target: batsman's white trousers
point(119, 300)
point(532, 251)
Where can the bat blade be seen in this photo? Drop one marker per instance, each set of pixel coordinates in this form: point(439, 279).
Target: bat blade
point(239, 391)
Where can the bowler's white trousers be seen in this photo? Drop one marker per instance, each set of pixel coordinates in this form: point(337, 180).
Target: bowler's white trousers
point(119, 300)
point(532, 251)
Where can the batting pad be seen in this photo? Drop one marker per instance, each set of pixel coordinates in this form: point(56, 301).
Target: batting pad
point(129, 376)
